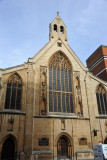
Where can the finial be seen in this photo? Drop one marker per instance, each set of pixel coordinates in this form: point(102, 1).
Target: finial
point(57, 13)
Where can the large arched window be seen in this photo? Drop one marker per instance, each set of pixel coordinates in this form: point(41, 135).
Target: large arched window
point(13, 93)
point(60, 84)
point(101, 100)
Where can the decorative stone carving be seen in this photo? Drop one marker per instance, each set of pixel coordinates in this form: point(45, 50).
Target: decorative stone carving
point(78, 94)
point(10, 124)
point(62, 124)
point(43, 90)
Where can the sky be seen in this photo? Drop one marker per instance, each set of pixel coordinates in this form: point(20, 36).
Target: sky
point(24, 27)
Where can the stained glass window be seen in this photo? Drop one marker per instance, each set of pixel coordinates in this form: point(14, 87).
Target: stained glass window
point(60, 84)
point(101, 100)
point(13, 93)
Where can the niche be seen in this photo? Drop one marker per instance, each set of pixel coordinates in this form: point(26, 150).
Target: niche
point(43, 90)
point(62, 124)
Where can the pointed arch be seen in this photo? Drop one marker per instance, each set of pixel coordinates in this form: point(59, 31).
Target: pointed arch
point(101, 95)
point(13, 74)
point(64, 145)
point(60, 84)
point(13, 92)
point(9, 144)
point(66, 135)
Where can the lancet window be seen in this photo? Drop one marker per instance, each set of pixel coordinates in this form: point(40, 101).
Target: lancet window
point(60, 84)
point(13, 93)
point(101, 100)
point(55, 28)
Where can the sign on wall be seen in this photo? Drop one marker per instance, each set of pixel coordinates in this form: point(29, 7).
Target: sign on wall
point(43, 142)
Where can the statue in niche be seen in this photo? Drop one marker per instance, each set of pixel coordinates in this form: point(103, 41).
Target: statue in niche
point(78, 97)
point(10, 124)
point(43, 90)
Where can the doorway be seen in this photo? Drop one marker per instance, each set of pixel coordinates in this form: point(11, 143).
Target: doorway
point(8, 150)
point(63, 148)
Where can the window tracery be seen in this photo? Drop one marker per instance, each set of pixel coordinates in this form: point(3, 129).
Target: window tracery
point(60, 84)
point(101, 96)
point(13, 93)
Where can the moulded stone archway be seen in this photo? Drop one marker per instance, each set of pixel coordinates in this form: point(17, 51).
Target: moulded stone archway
point(8, 147)
point(64, 146)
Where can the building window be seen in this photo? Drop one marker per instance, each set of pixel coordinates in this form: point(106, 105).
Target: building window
point(55, 28)
point(61, 29)
point(13, 93)
point(60, 84)
point(101, 100)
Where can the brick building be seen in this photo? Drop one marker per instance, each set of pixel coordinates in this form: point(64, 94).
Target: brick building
point(51, 107)
point(97, 63)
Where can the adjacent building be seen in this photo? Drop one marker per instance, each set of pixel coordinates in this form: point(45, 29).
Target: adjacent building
point(97, 63)
point(52, 107)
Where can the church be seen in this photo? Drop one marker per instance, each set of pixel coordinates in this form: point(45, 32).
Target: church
point(52, 107)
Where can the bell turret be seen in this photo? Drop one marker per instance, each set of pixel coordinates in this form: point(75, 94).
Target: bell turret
point(58, 29)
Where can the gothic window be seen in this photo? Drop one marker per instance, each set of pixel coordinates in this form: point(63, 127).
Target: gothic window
point(60, 84)
point(61, 29)
point(101, 100)
point(55, 28)
point(13, 93)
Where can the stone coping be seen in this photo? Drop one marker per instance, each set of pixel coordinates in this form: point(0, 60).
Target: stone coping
point(61, 116)
point(102, 116)
point(42, 152)
point(84, 151)
point(12, 112)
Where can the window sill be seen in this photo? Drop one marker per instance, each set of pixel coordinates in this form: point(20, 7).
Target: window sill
point(102, 116)
point(64, 116)
point(12, 112)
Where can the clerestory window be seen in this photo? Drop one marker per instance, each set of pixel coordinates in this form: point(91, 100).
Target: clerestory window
point(13, 93)
point(60, 84)
point(101, 100)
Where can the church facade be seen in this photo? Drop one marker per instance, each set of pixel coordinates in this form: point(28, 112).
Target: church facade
point(52, 107)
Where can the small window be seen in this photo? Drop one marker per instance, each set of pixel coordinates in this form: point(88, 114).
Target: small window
point(61, 29)
point(55, 28)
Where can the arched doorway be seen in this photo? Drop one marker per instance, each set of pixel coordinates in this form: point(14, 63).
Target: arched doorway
point(105, 141)
point(8, 150)
point(63, 148)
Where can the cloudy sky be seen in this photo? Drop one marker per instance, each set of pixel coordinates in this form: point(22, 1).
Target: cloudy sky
point(24, 27)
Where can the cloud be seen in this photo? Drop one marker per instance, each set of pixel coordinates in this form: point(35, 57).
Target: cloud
point(92, 16)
